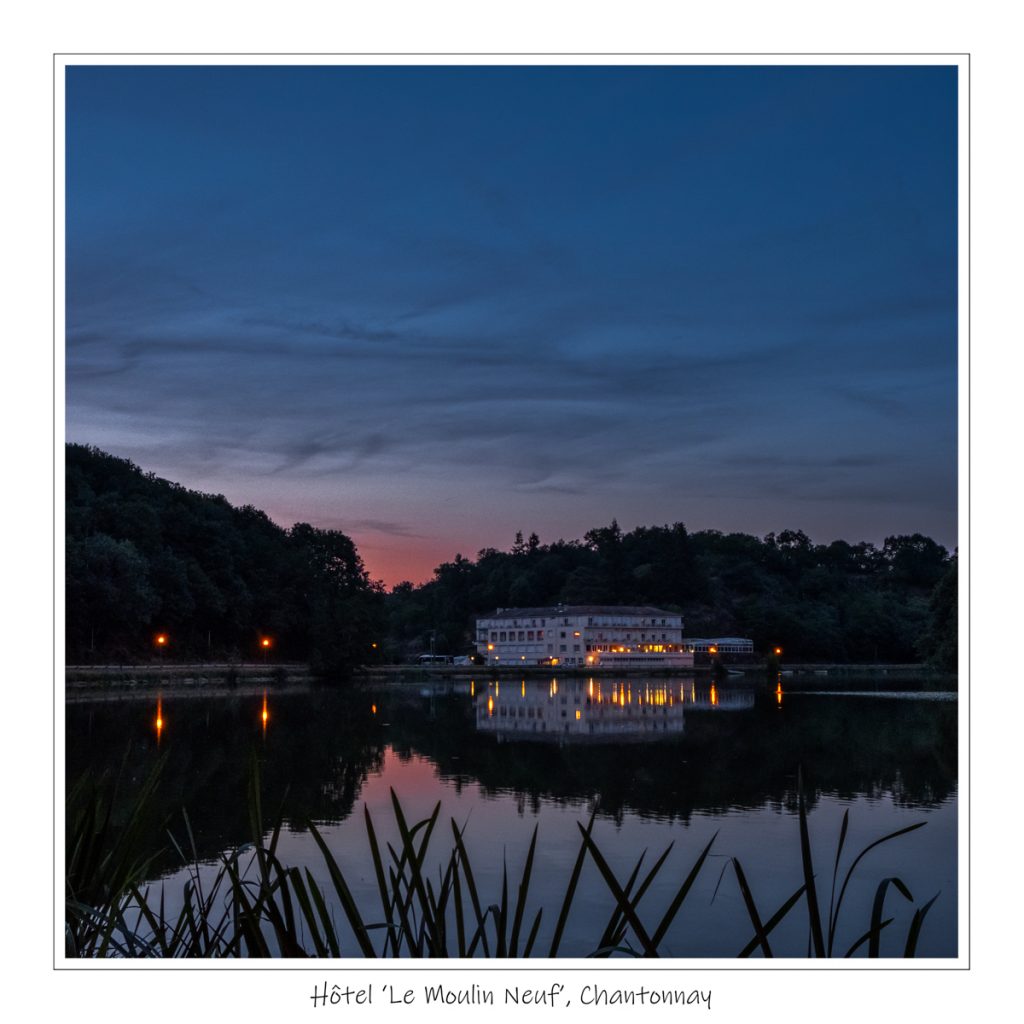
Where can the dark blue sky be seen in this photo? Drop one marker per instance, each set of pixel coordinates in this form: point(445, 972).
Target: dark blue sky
point(432, 306)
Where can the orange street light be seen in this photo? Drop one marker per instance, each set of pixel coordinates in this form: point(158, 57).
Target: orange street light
point(712, 649)
point(161, 639)
point(778, 651)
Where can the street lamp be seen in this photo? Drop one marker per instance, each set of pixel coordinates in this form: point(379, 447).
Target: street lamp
point(265, 645)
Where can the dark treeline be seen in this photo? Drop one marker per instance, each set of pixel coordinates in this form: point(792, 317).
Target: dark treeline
point(146, 556)
point(829, 602)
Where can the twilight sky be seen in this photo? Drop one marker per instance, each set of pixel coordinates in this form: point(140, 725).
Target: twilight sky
point(432, 306)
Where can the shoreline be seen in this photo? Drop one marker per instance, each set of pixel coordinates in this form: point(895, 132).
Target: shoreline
point(230, 678)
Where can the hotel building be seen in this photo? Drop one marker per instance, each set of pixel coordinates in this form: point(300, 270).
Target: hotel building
point(584, 636)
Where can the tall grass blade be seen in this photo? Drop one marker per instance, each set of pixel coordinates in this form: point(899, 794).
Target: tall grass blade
point(386, 902)
point(481, 933)
point(531, 938)
point(407, 932)
point(348, 904)
point(910, 950)
point(620, 898)
point(613, 933)
point(501, 914)
point(524, 887)
point(835, 874)
point(620, 930)
point(680, 896)
point(867, 849)
point(805, 856)
point(414, 858)
point(772, 921)
point(302, 897)
point(329, 931)
point(460, 924)
point(247, 918)
point(867, 935)
point(874, 940)
point(570, 891)
point(755, 918)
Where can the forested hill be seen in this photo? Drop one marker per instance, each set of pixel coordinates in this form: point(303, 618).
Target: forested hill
point(147, 556)
point(837, 602)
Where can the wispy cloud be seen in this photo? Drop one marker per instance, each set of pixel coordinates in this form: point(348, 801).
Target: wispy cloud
point(670, 292)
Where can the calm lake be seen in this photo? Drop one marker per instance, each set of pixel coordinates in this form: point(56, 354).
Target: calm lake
point(661, 761)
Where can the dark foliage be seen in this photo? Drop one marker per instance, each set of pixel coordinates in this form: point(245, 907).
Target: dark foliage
point(146, 556)
point(820, 602)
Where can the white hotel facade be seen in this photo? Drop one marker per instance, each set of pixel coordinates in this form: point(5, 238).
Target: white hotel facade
point(582, 636)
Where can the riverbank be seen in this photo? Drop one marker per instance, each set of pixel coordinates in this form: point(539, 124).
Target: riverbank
point(83, 678)
point(217, 676)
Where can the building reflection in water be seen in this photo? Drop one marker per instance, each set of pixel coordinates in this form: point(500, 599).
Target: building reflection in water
point(592, 710)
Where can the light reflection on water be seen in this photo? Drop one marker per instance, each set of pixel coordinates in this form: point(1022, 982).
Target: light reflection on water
point(597, 710)
point(660, 760)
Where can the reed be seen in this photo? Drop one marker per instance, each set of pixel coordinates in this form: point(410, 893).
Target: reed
point(256, 906)
point(822, 929)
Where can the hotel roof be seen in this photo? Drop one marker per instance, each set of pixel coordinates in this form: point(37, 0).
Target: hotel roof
point(577, 609)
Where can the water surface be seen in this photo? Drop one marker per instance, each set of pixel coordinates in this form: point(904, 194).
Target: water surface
point(660, 761)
